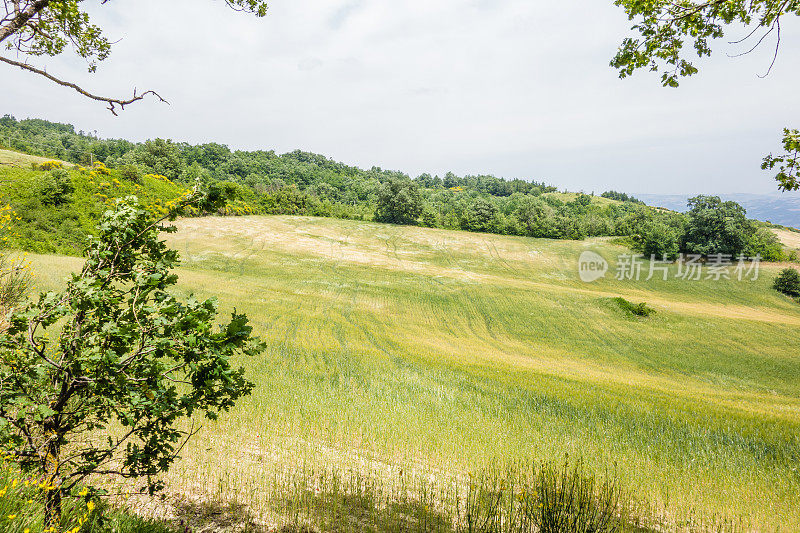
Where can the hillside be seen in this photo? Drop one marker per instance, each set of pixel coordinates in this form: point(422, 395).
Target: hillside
point(409, 357)
point(18, 159)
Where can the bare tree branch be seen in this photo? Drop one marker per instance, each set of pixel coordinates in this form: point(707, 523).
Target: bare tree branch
point(112, 102)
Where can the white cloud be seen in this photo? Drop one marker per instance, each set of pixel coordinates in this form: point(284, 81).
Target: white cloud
point(511, 87)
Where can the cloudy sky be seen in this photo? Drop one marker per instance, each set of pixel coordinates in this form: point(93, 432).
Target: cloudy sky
point(514, 88)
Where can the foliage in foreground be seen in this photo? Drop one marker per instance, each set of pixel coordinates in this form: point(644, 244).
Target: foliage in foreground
point(21, 509)
point(544, 498)
point(114, 348)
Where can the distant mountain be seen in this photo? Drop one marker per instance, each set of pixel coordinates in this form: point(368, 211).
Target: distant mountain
point(778, 208)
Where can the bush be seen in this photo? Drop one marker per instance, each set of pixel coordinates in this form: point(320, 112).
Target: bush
point(764, 243)
point(640, 309)
point(51, 165)
point(100, 168)
point(480, 215)
point(15, 280)
point(658, 240)
point(131, 173)
point(788, 282)
point(55, 188)
point(15, 273)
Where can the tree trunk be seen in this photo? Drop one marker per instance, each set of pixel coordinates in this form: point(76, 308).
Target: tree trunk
point(52, 490)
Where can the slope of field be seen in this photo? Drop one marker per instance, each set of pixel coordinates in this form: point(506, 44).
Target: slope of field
point(416, 356)
point(17, 159)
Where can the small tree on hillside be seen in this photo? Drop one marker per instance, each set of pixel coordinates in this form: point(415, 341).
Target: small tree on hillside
point(399, 202)
point(657, 239)
point(788, 282)
point(116, 347)
point(715, 227)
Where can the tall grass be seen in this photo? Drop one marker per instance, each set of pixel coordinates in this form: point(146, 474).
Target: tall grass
point(22, 511)
point(441, 353)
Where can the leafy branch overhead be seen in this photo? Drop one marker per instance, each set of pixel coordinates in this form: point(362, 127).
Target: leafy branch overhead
point(788, 163)
point(672, 32)
point(36, 28)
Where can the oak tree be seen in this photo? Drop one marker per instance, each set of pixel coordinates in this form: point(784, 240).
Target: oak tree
point(96, 379)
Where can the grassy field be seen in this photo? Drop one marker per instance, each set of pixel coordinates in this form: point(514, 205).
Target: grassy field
point(406, 357)
point(16, 159)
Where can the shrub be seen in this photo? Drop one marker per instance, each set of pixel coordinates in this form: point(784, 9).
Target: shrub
point(480, 215)
point(51, 165)
point(101, 168)
point(788, 282)
point(657, 239)
point(15, 275)
point(399, 202)
point(55, 188)
point(131, 173)
point(121, 341)
point(15, 280)
point(640, 309)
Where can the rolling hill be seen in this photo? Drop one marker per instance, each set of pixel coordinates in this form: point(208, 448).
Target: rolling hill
point(408, 357)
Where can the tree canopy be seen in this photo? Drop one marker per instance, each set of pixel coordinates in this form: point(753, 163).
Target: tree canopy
point(303, 183)
point(36, 28)
point(671, 33)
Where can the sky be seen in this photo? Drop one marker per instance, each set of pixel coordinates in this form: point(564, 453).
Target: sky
point(514, 88)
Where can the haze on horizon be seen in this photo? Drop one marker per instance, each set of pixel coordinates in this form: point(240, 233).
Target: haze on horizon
point(507, 87)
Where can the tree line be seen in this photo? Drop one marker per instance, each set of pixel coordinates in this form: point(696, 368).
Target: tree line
point(304, 183)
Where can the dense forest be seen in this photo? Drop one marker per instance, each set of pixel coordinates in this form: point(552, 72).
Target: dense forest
point(303, 183)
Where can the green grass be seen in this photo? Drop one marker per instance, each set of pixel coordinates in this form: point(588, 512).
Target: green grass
point(21, 510)
point(421, 355)
point(17, 159)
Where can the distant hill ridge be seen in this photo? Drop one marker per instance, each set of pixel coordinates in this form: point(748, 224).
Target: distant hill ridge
point(778, 208)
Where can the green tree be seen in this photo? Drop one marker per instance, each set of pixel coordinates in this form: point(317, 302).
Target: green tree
point(764, 243)
point(534, 216)
point(666, 27)
point(788, 282)
point(399, 202)
point(160, 157)
point(36, 28)
point(480, 215)
point(716, 227)
point(55, 187)
point(657, 239)
point(115, 347)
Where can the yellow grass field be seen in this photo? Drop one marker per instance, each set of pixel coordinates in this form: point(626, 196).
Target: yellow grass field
point(414, 357)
